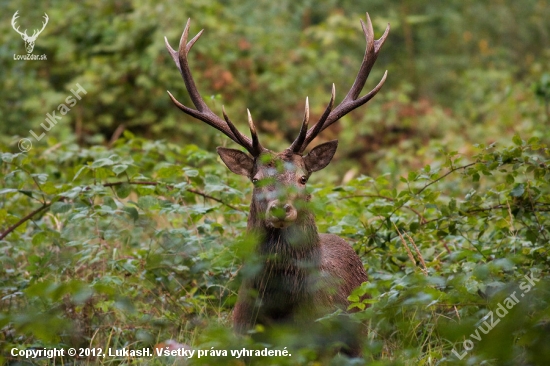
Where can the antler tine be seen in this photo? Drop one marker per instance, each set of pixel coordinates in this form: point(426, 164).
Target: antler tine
point(368, 61)
point(314, 131)
point(183, 66)
point(257, 148)
point(297, 144)
point(13, 24)
point(380, 41)
point(233, 129)
point(44, 23)
point(203, 112)
point(351, 100)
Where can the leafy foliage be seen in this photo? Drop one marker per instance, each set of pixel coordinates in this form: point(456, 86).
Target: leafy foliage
point(116, 230)
point(136, 244)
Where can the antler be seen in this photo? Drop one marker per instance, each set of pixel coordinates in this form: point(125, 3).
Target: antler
point(202, 112)
point(351, 101)
point(13, 19)
point(36, 33)
point(24, 34)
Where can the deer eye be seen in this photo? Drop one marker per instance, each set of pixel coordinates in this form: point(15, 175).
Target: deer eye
point(254, 180)
point(303, 179)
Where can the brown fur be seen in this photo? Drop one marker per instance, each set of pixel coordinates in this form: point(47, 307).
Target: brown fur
point(303, 274)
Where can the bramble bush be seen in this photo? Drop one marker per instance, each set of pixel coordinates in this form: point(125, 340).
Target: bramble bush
point(139, 243)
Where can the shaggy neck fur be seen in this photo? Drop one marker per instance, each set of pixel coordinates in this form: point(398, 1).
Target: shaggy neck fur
point(290, 259)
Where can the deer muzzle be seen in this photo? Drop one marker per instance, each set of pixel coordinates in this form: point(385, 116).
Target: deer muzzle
point(280, 214)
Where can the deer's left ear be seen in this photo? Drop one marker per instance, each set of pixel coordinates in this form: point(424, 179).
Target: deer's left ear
point(320, 156)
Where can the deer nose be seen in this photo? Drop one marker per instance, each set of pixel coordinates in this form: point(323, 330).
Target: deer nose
point(278, 211)
point(280, 214)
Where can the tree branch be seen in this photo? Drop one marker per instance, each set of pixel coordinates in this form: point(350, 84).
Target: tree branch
point(429, 184)
point(24, 219)
point(444, 175)
point(152, 183)
point(422, 219)
point(47, 205)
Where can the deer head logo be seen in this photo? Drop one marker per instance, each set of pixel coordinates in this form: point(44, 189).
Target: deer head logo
point(29, 40)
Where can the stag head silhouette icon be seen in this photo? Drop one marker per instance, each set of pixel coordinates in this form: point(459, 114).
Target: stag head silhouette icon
point(29, 40)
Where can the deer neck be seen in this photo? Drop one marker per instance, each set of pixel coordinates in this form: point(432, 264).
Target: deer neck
point(290, 259)
point(297, 242)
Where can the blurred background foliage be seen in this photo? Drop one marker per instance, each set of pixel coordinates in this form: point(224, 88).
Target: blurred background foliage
point(454, 66)
point(136, 234)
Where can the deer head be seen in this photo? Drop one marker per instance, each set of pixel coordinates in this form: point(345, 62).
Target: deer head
point(29, 40)
point(279, 178)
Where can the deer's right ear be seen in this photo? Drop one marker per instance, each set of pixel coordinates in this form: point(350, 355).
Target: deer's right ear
point(237, 161)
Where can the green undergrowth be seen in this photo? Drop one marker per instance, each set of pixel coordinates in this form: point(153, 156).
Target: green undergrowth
point(141, 243)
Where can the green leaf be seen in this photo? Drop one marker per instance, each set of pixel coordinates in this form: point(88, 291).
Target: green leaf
point(531, 235)
point(7, 157)
point(412, 176)
point(147, 202)
point(39, 238)
point(191, 172)
point(49, 188)
point(125, 305)
point(8, 190)
point(102, 162)
point(85, 167)
point(168, 171)
point(518, 190)
point(110, 202)
point(60, 207)
point(452, 205)
point(27, 193)
point(117, 169)
point(123, 190)
point(73, 193)
point(41, 178)
point(517, 140)
point(134, 214)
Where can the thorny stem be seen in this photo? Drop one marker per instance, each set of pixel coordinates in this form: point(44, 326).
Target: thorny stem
point(24, 219)
point(426, 186)
point(472, 244)
point(194, 191)
point(444, 175)
point(418, 213)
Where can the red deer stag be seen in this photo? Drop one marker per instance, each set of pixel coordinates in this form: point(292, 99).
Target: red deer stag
point(302, 271)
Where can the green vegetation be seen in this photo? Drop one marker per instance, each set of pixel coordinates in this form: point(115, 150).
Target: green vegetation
point(121, 228)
